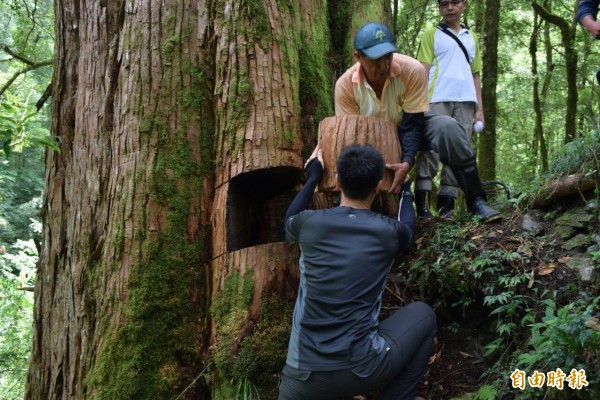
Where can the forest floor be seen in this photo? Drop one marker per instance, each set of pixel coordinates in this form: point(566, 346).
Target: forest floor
point(459, 365)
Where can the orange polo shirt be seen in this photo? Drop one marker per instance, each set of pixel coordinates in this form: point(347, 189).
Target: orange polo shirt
point(405, 90)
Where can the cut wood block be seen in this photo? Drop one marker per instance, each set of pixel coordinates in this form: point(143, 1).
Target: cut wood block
point(337, 133)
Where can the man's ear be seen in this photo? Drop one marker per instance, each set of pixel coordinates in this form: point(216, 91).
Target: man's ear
point(356, 54)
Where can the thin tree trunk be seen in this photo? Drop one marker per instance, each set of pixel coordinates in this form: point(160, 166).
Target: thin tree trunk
point(567, 31)
point(538, 130)
point(545, 87)
point(395, 5)
point(487, 140)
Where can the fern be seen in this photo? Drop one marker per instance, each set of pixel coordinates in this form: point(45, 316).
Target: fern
point(486, 392)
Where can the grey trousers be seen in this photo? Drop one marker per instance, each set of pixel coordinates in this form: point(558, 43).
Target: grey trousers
point(408, 334)
point(427, 161)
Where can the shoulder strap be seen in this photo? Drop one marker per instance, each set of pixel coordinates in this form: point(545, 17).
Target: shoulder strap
point(444, 28)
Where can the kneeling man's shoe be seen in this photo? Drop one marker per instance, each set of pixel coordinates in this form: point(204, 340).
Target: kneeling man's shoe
point(421, 204)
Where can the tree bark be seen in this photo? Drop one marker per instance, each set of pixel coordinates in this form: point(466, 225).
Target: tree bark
point(181, 145)
point(271, 66)
point(121, 299)
point(538, 130)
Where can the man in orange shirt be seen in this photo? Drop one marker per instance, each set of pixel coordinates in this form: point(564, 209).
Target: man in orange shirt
point(394, 87)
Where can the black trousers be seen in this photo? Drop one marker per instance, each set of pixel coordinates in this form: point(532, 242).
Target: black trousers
point(409, 338)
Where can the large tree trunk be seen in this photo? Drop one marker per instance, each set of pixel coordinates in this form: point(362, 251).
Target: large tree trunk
point(279, 60)
point(121, 298)
point(180, 136)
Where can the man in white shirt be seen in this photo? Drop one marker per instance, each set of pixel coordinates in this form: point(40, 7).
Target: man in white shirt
point(451, 56)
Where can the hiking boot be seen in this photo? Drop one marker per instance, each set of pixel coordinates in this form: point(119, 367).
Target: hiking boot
point(478, 206)
point(445, 206)
point(470, 183)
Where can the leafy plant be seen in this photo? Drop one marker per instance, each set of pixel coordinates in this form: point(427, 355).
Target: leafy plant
point(20, 126)
point(579, 155)
point(562, 338)
point(486, 392)
point(16, 308)
point(246, 390)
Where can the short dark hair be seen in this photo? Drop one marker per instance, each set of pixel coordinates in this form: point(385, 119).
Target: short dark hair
point(359, 169)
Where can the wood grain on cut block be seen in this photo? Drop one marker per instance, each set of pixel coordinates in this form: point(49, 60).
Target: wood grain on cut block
point(337, 133)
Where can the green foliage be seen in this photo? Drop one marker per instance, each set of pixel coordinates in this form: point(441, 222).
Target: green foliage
point(461, 270)
point(246, 390)
point(21, 184)
point(580, 155)
point(26, 47)
point(16, 309)
point(458, 269)
point(563, 339)
point(19, 261)
point(486, 392)
point(21, 127)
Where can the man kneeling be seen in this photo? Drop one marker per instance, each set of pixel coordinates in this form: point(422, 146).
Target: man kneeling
point(337, 346)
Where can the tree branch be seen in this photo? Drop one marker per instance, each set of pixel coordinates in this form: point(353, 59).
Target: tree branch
point(16, 55)
point(547, 16)
point(24, 71)
point(47, 93)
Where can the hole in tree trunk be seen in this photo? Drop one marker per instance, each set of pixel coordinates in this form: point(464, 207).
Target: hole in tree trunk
point(256, 206)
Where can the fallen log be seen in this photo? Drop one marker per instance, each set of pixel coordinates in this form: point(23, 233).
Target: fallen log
point(564, 186)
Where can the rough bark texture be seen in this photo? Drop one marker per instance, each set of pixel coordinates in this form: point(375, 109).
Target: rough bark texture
point(120, 306)
point(272, 80)
point(336, 133)
point(179, 124)
point(182, 127)
point(347, 17)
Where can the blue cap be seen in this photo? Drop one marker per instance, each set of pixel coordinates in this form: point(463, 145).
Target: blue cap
point(374, 40)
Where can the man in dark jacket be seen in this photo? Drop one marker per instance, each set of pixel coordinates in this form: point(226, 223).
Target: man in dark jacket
point(337, 345)
point(586, 14)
